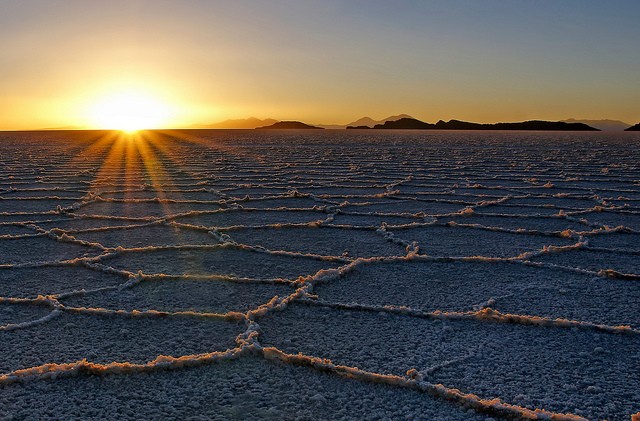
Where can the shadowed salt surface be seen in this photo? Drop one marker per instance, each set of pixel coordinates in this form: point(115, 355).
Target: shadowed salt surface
point(321, 241)
point(397, 275)
point(242, 389)
point(35, 249)
point(20, 313)
point(242, 263)
point(596, 260)
point(33, 281)
point(461, 241)
point(245, 217)
point(211, 296)
point(148, 235)
point(512, 288)
point(557, 369)
point(103, 339)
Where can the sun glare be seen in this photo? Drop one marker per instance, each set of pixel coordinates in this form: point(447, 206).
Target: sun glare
point(130, 111)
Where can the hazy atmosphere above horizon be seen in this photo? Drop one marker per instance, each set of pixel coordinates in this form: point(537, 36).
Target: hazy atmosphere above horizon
point(73, 63)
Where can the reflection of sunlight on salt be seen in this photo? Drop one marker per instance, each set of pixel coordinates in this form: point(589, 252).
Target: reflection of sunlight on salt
point(155, 171)
point(136, 162)
point(212, 143)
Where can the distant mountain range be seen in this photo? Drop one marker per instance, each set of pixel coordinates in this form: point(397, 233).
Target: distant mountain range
point(604, 125)
point(288, 125)
point(243, 123)
point(405, 121)
point(413, 124)
point(254, 123)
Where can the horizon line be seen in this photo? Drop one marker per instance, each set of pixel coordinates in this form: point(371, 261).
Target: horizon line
point(203, 126)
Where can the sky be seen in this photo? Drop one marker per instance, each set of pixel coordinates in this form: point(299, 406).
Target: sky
point(191, 62)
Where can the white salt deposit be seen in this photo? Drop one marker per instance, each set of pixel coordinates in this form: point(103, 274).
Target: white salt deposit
point(336, 275)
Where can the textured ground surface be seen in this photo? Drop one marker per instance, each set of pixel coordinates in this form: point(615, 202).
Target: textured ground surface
point(229, 275)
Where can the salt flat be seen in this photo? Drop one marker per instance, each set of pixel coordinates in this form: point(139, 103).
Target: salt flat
point(319, 275)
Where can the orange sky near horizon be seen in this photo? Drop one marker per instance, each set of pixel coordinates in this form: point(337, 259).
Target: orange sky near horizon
point(162, 64)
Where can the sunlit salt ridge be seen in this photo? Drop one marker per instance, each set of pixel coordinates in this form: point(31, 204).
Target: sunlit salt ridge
point(478, 275)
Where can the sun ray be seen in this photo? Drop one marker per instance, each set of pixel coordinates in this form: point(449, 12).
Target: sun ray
point(113, 163)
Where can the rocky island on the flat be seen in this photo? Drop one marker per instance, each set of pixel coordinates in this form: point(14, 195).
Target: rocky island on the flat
point(635, 128)
point(414, 124)
point(288, 125)
point(605, 125)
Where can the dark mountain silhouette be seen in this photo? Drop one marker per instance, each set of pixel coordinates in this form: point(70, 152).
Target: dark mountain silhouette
point(635, 128)
point(359, 127)
point(412, 123)
point(243, 123)
point(405, 123)
point(604, 125)
point(368, 121)
point(288, 125)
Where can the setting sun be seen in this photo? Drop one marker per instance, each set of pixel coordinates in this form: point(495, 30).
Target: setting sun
point(130, 111)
